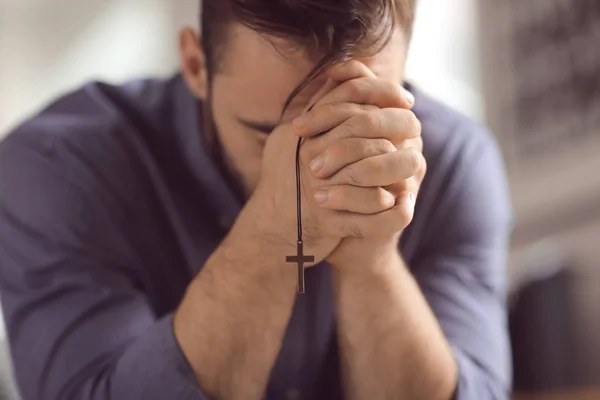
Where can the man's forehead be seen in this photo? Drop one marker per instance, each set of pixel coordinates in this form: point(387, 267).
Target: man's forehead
point(258, 68)
point(265, 71)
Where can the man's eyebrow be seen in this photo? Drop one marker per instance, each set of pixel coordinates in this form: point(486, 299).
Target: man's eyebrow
point(262, 126)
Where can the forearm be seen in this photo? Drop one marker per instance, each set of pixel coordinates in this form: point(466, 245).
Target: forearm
point(390, 342)
point(233, 318)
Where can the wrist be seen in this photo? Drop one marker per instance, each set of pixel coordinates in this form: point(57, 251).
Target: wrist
point(261, 222)
point(355, 254)
point(369, 275)
point(249, 254)
point(245, 268)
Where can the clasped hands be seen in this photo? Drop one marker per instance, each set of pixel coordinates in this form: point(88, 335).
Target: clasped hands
point(361, 165)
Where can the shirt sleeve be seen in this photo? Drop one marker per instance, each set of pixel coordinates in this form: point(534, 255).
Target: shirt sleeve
point(460, 269)
point(79, 323)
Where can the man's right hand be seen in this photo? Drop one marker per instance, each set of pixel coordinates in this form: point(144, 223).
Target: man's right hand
point(271, 212)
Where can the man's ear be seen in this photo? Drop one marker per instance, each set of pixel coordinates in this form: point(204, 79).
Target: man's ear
point(193, 62)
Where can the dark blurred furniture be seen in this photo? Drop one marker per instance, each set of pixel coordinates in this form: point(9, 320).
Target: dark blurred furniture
point(589, 394)
point(555, 342)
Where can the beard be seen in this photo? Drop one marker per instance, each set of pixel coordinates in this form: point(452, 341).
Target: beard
point(214, 148)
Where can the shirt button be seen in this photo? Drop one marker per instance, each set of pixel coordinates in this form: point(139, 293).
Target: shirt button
point(293, 394)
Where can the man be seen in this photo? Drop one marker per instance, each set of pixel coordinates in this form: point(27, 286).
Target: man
point(145, 227)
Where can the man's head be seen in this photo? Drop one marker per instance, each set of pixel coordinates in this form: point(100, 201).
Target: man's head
point(258, 58)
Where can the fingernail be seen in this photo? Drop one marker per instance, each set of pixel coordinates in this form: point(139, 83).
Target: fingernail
point(317, 164)
point(302, 120)
point(321, 196)
point(412, 198)
point(409, 97)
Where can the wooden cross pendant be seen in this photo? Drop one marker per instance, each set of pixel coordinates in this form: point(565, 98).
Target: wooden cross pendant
point(300, 259)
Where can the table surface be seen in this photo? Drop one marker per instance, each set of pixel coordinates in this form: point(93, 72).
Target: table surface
point(584, 394)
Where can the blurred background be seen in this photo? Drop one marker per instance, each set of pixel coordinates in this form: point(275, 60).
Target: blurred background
point(529, 69)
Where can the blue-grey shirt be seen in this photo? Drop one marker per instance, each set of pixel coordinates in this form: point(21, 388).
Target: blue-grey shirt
point(110, 205)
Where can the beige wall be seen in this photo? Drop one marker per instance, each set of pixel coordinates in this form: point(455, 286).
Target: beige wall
point(554, 164)
point(49, 46)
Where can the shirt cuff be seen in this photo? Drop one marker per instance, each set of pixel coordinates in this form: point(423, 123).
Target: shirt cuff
point(154, 368)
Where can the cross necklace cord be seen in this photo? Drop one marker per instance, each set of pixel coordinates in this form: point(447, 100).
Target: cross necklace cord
point(299, 259)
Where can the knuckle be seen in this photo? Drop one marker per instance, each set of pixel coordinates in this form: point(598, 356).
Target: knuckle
point(330, 109)
point(372, 121)
point(355, 88)
point(350, 176)
point(371, 147)
point(404, 220)
point(353, 127)
point(338, 150)
point(414, 160)
point(367, 108)
point(413, 124)
point(384, 146)
point(382, 198)
point(405, 217)
point(419, 143)
point(374, 166)
point(397, 92)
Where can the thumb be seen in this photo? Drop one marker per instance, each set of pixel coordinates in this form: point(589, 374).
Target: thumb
point(352, 69)
point(339, 74)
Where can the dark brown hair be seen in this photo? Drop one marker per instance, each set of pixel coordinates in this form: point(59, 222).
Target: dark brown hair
point(335, 30)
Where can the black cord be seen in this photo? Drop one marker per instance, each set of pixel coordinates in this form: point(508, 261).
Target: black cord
point(299, 186)
point(300, 258)
point(299, 191)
